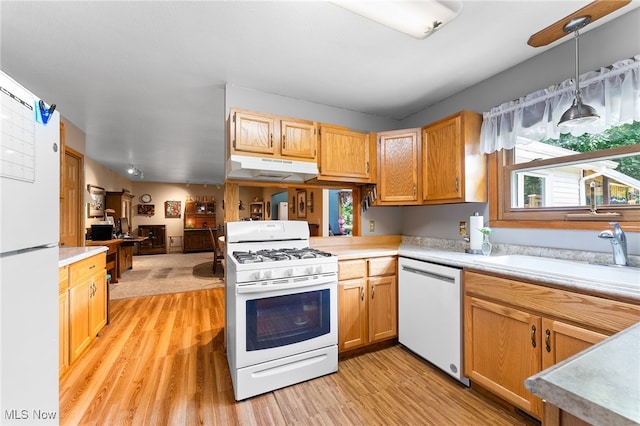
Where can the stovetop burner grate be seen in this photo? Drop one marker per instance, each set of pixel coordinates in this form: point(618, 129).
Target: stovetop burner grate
point(274, 255)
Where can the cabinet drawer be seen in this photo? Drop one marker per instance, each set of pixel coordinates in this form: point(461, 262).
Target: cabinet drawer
point(87, 267)
point(382, 266)
point(349, 269)
point(63, 279)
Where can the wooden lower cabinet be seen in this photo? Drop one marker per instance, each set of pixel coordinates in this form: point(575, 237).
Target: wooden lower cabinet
point(352, 323)
point(514, 329)
point(197, 240)
point(125, 260)
point(367, 301)
point(84, 306)
point(155, 242)
point(63, 323)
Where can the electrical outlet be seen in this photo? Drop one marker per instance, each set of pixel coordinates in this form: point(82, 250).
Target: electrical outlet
point(462, 228)
point(372, 226)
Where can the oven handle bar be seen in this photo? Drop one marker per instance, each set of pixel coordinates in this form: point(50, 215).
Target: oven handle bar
point(292, 283)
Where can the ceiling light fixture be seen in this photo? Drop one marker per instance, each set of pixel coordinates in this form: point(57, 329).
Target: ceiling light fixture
point(415, 18)
point(579, 113)
point(133, 170)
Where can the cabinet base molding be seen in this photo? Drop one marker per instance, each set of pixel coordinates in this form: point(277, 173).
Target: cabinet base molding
point(528, 418)
point(367, 349)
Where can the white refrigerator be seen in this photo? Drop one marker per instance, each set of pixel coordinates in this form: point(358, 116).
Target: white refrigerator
point(29, 231)
point(283, 210)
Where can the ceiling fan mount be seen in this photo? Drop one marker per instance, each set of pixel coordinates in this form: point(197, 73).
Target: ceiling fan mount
point(576, 23)
point(578, 19)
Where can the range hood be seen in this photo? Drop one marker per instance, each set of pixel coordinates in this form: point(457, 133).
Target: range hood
point(270, 169)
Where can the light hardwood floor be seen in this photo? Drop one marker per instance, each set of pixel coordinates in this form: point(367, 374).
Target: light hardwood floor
point(161, 362)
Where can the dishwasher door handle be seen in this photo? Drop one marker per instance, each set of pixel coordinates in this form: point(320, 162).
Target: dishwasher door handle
point(429, 274)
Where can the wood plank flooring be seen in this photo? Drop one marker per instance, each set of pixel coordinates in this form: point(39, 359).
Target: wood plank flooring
point(161, 362)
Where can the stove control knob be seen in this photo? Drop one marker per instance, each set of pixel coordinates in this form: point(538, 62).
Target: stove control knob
point(319, 269)
point(257, 275)
point(309, 270)
point(289, 272)
point(268, 274)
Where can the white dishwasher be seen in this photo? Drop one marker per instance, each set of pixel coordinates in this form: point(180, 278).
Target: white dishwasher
point(430, 313)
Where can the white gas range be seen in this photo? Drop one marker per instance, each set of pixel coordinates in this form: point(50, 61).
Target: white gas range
point(282, 317)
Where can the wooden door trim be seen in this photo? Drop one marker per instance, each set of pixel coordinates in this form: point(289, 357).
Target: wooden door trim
point(80, 201)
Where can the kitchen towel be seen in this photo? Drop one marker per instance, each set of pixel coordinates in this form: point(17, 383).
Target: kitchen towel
point(475, 236)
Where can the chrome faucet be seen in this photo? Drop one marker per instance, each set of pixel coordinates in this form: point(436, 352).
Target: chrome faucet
point(618, 243)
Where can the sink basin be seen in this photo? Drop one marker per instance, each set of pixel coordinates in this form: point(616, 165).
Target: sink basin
point(621, 275)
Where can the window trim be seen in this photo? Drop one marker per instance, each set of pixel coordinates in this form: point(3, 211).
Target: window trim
point(501, 214)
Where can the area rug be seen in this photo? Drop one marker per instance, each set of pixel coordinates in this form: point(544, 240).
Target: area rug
point(167, 273)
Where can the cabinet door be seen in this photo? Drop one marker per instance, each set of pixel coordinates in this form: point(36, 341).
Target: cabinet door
point(298, 139)
point(160, 239)
point(98, 303)
point(383, 311)
point(563, 340)
point(79, 332)
point(125, 261)
point(63, 332)
point(442, 161)
point(194, 241)
point(253, 133)
point(352, 314)
point(502, 349)
point(343, 155)
point(398, 171)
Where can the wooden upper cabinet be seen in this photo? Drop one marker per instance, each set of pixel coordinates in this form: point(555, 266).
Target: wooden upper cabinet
point(344, 155)
point(258, 134)
point(399, 167)
point(298, 139)
point(252, 132)
point(453, 168)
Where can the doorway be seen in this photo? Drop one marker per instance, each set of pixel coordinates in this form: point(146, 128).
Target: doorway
point(276, 212)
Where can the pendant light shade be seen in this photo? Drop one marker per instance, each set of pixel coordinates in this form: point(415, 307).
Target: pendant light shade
point(579, 113)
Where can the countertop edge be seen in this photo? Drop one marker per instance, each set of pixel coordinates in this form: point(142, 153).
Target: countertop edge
point(593, 408)
point(69, 255)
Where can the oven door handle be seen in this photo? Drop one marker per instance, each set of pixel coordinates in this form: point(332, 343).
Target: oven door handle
point(269, 287)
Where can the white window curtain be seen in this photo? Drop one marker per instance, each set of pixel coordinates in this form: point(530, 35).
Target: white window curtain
point(613, 91)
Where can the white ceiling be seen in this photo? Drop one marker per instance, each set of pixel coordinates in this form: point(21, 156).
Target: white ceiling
point(145, 80)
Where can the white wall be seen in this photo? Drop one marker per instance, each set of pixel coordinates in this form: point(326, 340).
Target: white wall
point(599, 47)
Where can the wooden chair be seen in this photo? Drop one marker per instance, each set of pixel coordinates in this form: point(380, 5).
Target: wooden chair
point(217, 252)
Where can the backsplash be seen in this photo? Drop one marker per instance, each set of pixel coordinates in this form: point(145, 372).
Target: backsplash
point(504, 249)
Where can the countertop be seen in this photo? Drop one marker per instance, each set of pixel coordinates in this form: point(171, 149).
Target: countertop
point(69, 255)
point(601, 385)
point(466, 260)
point(459, 259)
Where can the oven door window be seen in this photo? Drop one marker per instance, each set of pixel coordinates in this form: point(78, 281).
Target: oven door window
point(284, 320)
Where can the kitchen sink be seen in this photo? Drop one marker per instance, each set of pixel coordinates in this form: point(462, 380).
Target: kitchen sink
point(610, 274)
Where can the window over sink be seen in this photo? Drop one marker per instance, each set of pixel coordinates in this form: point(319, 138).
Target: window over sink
point(569, 182)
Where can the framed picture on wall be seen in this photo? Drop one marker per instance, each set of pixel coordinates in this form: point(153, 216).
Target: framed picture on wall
point(302, 204)
point(95, 206)
point(172, 209)
point(146, 209)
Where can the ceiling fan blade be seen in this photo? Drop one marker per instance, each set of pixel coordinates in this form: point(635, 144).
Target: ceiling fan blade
point(555, 31)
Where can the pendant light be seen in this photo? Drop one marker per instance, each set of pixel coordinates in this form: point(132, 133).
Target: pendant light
point(579, 113)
